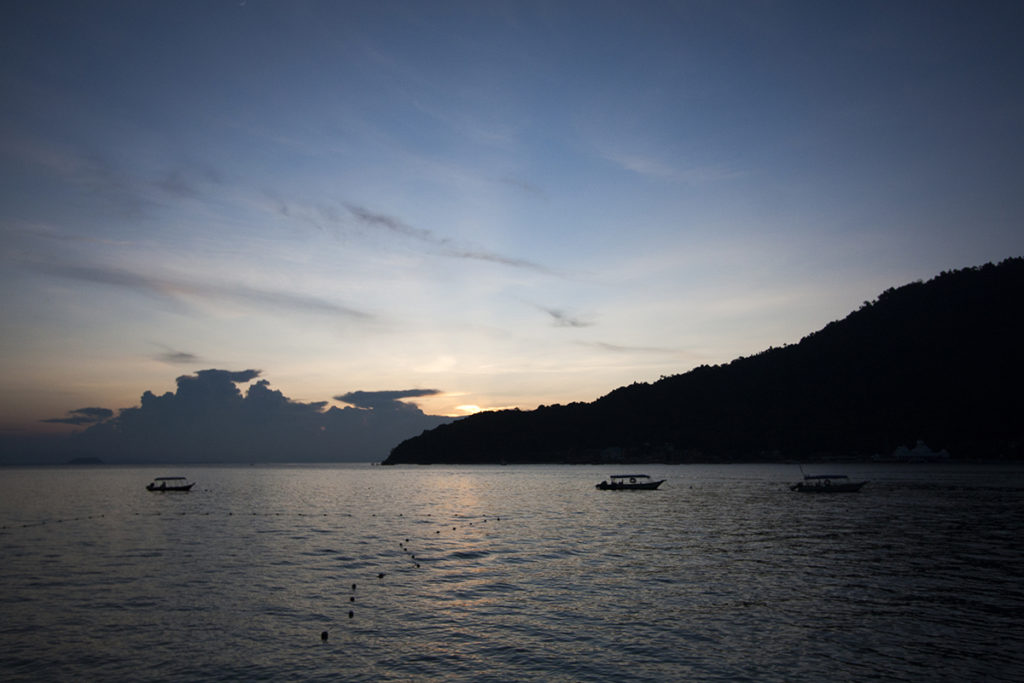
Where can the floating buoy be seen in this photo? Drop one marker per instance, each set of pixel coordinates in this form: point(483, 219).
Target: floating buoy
point(381, 575)
point(353, 586)
point(351, 614)
point(352, 599)
point(323, 635)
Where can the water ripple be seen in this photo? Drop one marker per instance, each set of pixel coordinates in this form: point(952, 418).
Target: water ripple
point(496, 574)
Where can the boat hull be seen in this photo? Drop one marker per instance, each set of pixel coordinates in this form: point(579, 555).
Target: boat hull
point(851, 487)
point(640, 486)
point(164, 489)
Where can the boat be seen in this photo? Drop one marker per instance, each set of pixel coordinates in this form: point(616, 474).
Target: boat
point(827, 483)
point(170, 484)
point(629, 482)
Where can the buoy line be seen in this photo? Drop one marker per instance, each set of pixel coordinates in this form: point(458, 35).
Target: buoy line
point(410, 562)
point(404, 546)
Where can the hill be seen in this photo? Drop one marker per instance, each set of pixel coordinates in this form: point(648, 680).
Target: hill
point(939, 361)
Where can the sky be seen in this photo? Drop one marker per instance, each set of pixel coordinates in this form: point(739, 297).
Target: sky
point(463, 206)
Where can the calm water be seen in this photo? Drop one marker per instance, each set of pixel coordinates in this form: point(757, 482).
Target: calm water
point(511, 573)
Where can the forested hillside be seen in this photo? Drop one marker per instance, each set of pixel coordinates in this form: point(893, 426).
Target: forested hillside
point(939, 361)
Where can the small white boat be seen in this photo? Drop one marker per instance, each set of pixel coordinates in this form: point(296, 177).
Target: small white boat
point(170, 484)
point(629, 482)
point(827, 483)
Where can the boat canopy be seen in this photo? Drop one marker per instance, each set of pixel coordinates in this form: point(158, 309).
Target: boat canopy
point(631, 476)
point(825, 476)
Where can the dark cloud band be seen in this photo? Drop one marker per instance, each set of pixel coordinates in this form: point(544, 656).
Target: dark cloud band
point(376, 399)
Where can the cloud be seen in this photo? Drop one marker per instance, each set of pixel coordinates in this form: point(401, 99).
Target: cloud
point(208, 418)
point(383, 399)
point(653, 167)
point(618, 348)
point(643, 165)
point(220, 376)
point(46, 232)
point(177, 357)
point(102, 178)
point(523, 185)
point(394, 225)
point(498, 258)
point(448, 247)
point(83, 416)
point(563, 319)
point(187, 182)
point(176, 289)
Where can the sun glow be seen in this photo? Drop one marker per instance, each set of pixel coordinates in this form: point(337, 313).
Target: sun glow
point(469, 409)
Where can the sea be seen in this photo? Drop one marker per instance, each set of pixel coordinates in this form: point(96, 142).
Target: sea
point(356, 572)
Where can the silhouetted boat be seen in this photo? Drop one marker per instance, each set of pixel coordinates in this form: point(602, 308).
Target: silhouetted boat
point(629, 482)
point(827, 483)
point(170, 484)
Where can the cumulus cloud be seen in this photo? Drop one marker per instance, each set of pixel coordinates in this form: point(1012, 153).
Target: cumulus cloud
point(218, 415)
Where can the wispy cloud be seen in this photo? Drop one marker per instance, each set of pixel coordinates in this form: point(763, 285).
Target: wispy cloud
point(447, 246)
point(98, 175)
point(523, 185)
point(178, 357)
point(619, 348)
point(563, 319)
point(653, 167)
point(498, 258)
point(188, 181)
point(642, 165)
point(393, 224)
point(41, 231)
point(176, 289)
point(82, 416)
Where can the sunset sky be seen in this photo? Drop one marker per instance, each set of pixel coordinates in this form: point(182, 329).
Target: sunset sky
point(511, 203)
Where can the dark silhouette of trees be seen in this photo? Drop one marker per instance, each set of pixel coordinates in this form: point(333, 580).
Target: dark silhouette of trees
point(939, 361)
